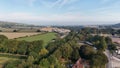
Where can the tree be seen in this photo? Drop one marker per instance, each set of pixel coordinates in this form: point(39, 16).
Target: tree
point(22, 47)
point(66, 51)
point(86, 52)
point(108, 40)
point(38, 30)
point(37, 46)
point(112, 48)
point(103, 45)
point(75, 54)
point(44, 63)
point(11, 46)
point(35, 55)
point(30, 60)
point(97, 60)
point(3, 38)
point(15, 30)
point(43, 52)
point(52, 59)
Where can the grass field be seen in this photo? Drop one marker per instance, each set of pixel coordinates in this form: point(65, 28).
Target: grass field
point(46, 37)
point(6, 57)
point(4, 60)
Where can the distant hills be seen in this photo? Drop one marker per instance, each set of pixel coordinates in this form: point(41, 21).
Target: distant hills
point(5, 24)
point(116, 25)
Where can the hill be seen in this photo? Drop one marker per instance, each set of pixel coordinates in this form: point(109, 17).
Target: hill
point(116, 25)
point(5, 24)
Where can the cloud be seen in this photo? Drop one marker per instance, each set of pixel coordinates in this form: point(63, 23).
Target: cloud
point(25, 2)
point(57, 3)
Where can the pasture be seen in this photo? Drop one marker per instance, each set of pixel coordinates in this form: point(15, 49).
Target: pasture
point(46, 37)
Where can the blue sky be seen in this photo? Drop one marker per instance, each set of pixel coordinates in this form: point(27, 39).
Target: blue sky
point(61, 12)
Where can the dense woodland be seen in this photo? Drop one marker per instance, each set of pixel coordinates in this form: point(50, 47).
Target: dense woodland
point(61, 53)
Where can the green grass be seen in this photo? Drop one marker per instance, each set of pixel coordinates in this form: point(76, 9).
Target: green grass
point(46, 37)
point(4, 60)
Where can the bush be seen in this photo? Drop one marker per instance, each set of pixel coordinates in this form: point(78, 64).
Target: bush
point(0, 30)
point(15, 30)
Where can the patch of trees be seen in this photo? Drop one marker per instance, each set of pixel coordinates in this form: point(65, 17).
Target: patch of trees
point(38, 30)
point(102, 43)
point(15, 30)
point(20, 47)
point(98, 41)
point(94, 57)
point(3, 38)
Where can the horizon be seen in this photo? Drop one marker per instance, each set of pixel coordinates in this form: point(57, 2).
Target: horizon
point(61, 12)
point(60, 25)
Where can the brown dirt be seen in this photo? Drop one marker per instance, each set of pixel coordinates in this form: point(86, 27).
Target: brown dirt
point(12, 35)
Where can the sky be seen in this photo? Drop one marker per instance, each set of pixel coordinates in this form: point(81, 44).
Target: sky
point(60, 12)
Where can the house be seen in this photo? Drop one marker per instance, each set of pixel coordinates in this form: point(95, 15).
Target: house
point(116, 40)
point(47, 29)
point(52, 29)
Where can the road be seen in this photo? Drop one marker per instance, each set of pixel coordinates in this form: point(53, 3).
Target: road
point(109, 64)
point(113, 61)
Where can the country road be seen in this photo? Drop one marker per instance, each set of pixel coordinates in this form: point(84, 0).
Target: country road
point(113, 61)
point(109, 64)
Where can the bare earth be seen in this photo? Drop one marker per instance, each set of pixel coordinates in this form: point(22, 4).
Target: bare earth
point(12, 35)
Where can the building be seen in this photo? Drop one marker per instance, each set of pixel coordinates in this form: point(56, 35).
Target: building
point(47, 29)
point(116, 40)
point(58, 30)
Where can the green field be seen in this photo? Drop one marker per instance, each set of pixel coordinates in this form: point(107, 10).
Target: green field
point(46, 37)
point(4, 60)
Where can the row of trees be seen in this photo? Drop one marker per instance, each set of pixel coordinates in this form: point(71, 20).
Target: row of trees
point(19, 47)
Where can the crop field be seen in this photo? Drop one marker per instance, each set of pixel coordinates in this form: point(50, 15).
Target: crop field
point(12, 35)
point(46, 37)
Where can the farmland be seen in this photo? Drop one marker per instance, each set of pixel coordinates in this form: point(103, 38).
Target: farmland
point(12, 35)
point(30, 36)
point(46, 37)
